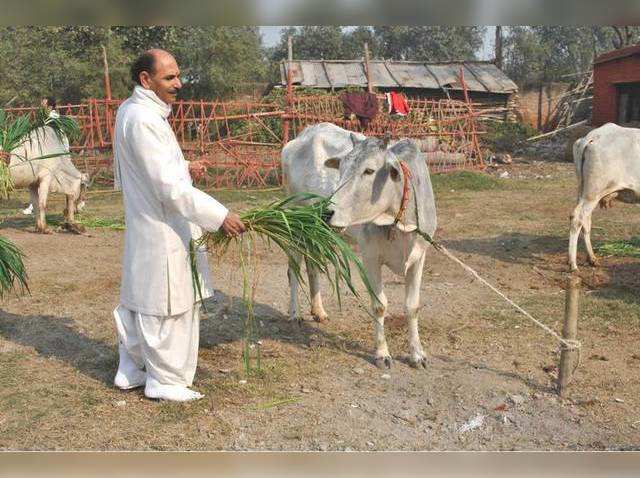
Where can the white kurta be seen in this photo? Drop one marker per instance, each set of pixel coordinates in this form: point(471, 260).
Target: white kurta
point(163, 210)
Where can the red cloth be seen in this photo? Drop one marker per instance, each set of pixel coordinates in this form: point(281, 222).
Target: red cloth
point(398, 104)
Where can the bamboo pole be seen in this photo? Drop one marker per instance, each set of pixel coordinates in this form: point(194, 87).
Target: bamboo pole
point(568, 357)
point(366, 67)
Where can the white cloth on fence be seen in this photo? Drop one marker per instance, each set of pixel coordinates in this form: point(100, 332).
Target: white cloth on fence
point(166, 347)
point(163, 211)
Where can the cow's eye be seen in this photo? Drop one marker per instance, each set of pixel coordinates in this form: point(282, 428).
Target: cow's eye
point(369, 171)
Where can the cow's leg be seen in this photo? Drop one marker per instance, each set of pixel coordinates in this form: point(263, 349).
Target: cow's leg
point(412, 282)
point(574, 234)
point(33, 196)
point(43, 194)
point(317, 310)
point(374, 272)
point(294, 308)
point(580, 215)
point(70, 210)
point(586, 235)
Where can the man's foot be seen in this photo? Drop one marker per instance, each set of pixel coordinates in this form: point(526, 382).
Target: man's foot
point(127, 381)
point(129, 375)
point(174, 393)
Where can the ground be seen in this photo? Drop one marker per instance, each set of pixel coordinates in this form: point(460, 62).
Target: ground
point(317, 388)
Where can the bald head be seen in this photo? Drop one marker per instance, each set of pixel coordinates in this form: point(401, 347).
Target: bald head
point(147, 62)
point(157, 70)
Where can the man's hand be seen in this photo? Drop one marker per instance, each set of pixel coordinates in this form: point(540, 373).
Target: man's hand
point(232, 225)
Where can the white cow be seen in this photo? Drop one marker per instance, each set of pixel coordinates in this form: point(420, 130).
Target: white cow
point(55, 174)
point(607, 162)
point(368, 182)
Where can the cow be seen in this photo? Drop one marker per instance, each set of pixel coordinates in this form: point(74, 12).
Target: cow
point(607, 163)
point(54, 173)
point(382, 194)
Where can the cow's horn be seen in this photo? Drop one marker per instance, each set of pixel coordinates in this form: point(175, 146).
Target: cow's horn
point(385, 140)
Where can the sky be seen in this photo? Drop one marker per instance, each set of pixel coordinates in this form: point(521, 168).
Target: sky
point(271, 37)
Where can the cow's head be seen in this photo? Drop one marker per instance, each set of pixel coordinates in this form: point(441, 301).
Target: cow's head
point(370, 186)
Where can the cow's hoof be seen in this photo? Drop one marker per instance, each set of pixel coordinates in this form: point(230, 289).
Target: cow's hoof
point(43, 230)
point(384, 362)
point(74, 227)
point(320, 317)
point(417, 361)
point(594, 262)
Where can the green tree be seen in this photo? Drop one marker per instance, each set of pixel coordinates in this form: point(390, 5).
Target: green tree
point(429, 43)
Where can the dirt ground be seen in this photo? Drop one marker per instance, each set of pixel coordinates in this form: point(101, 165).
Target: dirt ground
point(318, 388)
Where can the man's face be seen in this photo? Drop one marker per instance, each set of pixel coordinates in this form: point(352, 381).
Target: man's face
point(165, 79)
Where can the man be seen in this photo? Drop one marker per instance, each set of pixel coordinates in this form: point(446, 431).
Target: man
point(157, 319)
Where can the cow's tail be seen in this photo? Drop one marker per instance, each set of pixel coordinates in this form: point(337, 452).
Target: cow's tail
point(579, 149)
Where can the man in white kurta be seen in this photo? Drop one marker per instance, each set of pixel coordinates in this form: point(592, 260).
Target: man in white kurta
point(157, 321)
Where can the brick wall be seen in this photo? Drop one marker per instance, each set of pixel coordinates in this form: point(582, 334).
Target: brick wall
point(528, 102)
point(605, 77)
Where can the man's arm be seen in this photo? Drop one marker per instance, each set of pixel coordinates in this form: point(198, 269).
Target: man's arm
point(169, 185)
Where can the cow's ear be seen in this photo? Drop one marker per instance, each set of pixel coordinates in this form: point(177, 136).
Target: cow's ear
point(355, 139)
point(394, 170)
point(333, 163)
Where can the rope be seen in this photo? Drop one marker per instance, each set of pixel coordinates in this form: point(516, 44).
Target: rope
point(566, 343)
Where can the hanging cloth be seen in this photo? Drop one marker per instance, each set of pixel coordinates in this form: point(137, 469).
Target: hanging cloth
point(397, 104)
point(362, 104)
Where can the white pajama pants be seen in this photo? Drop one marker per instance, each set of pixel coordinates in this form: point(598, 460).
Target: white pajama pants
point(166, 346)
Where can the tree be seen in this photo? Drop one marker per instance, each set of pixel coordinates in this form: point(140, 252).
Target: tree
point(66, 62)
point(311, 43)
point(429, 43)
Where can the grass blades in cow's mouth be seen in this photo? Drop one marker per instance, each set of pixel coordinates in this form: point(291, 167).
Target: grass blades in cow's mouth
point(14, 133)
point(298, 225)
point(12, 270)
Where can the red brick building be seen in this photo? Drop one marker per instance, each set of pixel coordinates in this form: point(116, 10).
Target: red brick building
point(616, 87)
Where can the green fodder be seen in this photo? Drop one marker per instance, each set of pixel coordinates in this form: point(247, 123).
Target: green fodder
point(12, 270)
point(622, 247)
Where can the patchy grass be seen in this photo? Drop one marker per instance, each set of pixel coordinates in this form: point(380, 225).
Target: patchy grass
point(466, 181)
point(621, 247)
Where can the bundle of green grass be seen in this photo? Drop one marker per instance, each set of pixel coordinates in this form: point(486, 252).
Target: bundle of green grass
point(15, 132)
point(298, 226)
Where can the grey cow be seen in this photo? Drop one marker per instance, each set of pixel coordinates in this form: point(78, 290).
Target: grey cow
point(607, 162)
point(368, 182)
point(55, 174)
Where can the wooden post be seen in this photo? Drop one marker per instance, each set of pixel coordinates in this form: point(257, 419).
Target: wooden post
point(107, 79)
point(287, 109)
point(568, 357)
point(540, 87)
point(498, 47)
point(107, 94)
point(366, 67)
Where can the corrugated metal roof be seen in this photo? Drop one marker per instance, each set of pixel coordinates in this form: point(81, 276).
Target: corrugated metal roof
point(478, 75)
